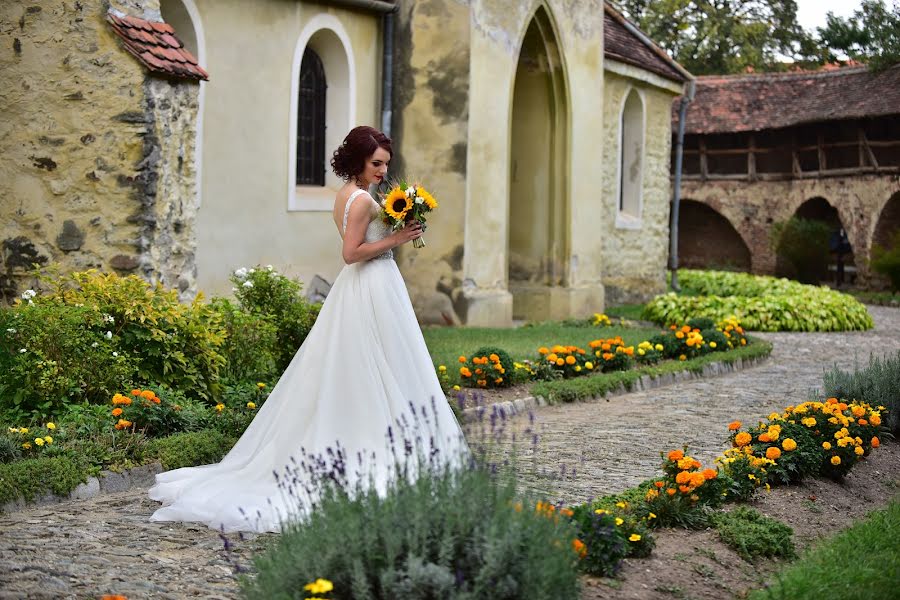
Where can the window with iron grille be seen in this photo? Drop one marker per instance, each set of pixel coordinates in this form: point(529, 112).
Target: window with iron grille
point(311, 121)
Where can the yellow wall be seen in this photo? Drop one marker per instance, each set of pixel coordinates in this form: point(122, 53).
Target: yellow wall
point(244, 218)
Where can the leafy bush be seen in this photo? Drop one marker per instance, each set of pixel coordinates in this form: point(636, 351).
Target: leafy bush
point(34, 477)
point(803, 243)
point(189, 449)
point(685, 494)
point(752, 534)
point(10, 449)
point(52, 354)
point(266, 293)
point(760, 303)
point(461, 534)
point(251, 344)
point(877, 384)
point(886, 261)
point(489, 367)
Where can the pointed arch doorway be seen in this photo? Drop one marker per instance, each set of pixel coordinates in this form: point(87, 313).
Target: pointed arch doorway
point(538, 240)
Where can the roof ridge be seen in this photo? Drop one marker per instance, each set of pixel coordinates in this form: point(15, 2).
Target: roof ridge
point(784, 74)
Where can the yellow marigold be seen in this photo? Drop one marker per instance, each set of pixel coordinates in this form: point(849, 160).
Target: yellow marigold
point(875, 420)
point(682, 357)
point(743, 438)
point(552, 357)
point(570, 360)
point(859, 450)
point(262, 386)
point(619, 521)
point(48, 439)
point(634, 538)
point(220, 407)
point(456, 388)
point(27, 445)
point(835, 460)
point(826, 445)
point(251, 405)
point(659, 347)
point(543, 350)
point(734, 426)
point(51, 426)
point(560, 362)
point(589, 365)
point(39, 441)
point(686, 463)
point(679, 335)
point(651, 495)
point(789, 444)
point(319, 586)
point(773, 453)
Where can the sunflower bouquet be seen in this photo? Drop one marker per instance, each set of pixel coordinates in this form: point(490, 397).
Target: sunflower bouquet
point(405, 203)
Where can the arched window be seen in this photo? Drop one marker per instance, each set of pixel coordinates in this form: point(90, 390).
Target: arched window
point(311, 121)
point(631, 157)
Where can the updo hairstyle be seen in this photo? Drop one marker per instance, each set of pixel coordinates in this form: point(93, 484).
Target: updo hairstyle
point(349, 160)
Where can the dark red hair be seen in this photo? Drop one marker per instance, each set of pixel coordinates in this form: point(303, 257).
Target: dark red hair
point(349, 159)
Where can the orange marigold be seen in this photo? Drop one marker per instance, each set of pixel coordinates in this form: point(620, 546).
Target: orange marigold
point(683, 477)
point(676, 455)
point(580, 548)
point(734, 426)
point(875, 442)
point(773, 453)
point(764, 437)
point(697, 479)
point(742, 439)
point(116, 411)
point(710, 474)
point(685, 489)
point(670, 491)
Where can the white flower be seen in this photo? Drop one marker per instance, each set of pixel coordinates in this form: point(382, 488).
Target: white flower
point(419, 200)
point(22, 351)
point(234, 289)
point(252, 271)
point(240, 273)
point(28, 294)
point(109, 335)
point(410, 191)
point(269, 268)
point(94, 345)
point(10, 330)
point(248, 284)
point(108, 319)
point(115, 353)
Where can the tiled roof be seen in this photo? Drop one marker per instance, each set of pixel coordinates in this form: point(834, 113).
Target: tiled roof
point(156, 46)
point(736, 103)
point(624, 46)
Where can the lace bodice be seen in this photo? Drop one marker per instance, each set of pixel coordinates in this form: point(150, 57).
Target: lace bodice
point(376, 230)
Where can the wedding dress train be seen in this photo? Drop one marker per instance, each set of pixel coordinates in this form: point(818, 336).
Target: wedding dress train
point(362, 366)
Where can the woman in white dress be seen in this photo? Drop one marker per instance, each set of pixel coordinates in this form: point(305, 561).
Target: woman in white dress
point(362, 367)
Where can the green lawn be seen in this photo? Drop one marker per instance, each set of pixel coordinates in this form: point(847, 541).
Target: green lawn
point(860, 563)
point(626, 311)
point(446, 344)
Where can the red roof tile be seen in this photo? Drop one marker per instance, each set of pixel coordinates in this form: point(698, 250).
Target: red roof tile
point(736, 103)
point(156, 46)
point(624, 46)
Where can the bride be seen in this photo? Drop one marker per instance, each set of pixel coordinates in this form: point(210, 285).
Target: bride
point(363, 368)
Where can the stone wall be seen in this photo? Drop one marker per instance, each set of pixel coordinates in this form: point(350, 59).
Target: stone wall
point(752, 208)
point(82, 148)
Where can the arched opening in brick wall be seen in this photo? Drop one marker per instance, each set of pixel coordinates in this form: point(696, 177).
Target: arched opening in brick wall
point(808, 251)
point(707, 240)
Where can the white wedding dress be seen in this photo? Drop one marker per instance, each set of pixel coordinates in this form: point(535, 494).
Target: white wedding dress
point(362, 366)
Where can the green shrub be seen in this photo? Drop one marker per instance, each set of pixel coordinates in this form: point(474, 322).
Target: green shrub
point(877, 384)
point(10, 449)
point(752, 534)
point(803, 244)
point(52, 354)
point(488, 367)
point(886, 261)
point(701, 323)
point(266, 293)
point(461, 534)
point(32, 478)
point(251, 344)
point(760, 303)
point(189, 449)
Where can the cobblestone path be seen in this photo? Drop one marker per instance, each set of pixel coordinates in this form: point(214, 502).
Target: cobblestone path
point(105, 545)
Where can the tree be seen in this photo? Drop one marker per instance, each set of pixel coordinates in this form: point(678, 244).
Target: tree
point(871, 35)
point(726, 36)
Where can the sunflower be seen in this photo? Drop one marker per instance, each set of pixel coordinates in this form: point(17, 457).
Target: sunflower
point(430, 202)
point(397, 204)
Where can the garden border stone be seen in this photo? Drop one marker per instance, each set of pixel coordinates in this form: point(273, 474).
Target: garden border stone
point(108, 482)
point(645, 382)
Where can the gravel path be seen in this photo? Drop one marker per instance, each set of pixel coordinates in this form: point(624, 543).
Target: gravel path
point(105, 545)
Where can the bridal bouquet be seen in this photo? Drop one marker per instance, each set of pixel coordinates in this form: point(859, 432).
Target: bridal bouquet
point(405, 203)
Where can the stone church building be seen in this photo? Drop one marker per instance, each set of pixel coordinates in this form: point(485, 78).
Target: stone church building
point(182, 139)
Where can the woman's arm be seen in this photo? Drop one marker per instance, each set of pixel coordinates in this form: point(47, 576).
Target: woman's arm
point(356, 249)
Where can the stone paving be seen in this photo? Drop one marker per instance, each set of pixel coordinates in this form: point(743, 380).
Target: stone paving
point(106, 545)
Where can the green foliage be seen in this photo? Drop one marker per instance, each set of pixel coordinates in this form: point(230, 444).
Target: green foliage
point(803, 243)
point(760, 303)
point(752, 534)
point(266, 293)
point(887, 260)
point(447, 534)
point(251, 344)
point(506, 361)
point(862, 562)
point(52, 354)
point(189, 449)
point(701, 323)
point(871, 34)
point(32, 478)
point(10, 449)
point(877, 384)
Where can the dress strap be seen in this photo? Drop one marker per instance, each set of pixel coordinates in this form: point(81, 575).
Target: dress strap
point(349, 202)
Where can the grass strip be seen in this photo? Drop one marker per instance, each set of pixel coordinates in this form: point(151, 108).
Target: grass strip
point(859, 563)
point(592, 386)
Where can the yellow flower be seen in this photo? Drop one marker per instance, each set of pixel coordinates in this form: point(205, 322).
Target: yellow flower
point(48, 439)
point(589, 365)
point(826, 445)
point(621, 505)
point(658, 347)
point(456, 388)
point(27, 445)
point(430, 202)
point(319, 586)
point(442, 368)
point(51, 426)
point(23, 430)
point(743, 438)
point(601, 511)
point(220, 407)
point(261, 385)
point(397, 204)
point(651, 516)
point(789, 444)
point(712, 345)
point(39, 441)
point(835, 460)
point(682, 357)
point(14, 430)
point(619, 520)
point(634, 538)
point(251, 405)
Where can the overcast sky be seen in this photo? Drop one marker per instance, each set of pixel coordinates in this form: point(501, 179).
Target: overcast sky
point(811, 13)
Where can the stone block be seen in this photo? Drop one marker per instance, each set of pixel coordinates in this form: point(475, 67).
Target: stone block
point(487, 308)
point(111, 482)
point(86, 490)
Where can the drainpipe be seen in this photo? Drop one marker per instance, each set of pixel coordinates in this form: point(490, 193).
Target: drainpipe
point(676, 199)
point(387, 10)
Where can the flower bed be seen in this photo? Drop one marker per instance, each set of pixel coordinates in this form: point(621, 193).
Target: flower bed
point(760, 303)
